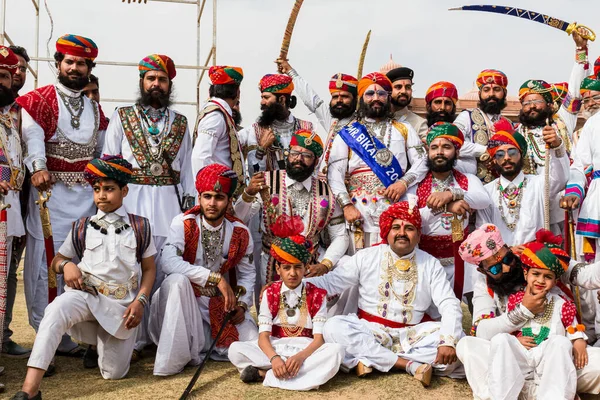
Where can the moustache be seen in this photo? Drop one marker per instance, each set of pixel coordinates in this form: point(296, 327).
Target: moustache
point(376, 103)
point(440, 158)
point(401, 237)
point(507, 163)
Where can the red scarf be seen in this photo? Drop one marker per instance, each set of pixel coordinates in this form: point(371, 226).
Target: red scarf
point(237, 250)
point(426, 186)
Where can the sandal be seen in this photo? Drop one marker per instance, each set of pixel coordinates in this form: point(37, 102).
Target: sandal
point(76, 352)
point(136, 356)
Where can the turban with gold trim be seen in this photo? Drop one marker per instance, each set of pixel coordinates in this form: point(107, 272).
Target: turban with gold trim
point(560, 91)
point(157, 62)
point(216, 178)
point(225, 75)
point(374, 78)
point(401, 210)
point(309, 140)
point(535, 86)
point(77, 46)
point(448, 131)
point(276, 84)
point(344, 82)
point(491, 76)
point(441, 89)
point(108, 167)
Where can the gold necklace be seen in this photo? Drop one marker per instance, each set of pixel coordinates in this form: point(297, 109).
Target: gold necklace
point(293, 330)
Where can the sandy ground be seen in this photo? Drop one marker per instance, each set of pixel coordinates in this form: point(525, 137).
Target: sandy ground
point(219, 380)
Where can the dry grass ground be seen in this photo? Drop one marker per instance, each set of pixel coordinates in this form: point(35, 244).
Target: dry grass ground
point(219, 380)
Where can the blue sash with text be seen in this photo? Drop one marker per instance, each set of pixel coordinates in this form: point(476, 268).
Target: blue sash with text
point(366, 146)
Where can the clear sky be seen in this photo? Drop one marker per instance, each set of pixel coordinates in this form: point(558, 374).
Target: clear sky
point(422, 34)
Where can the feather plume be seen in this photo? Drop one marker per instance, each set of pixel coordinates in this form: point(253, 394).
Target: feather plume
point(287, 226)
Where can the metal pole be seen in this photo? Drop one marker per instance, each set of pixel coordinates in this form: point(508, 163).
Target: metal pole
point(123, 64)
point(37, 42)
point(214, 32)
point(2, 21)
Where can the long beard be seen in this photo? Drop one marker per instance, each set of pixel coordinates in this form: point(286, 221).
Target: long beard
point(78, 84)
point(6, 96)
point(367, 109)
point(155, 96)
point(271, 113)
point(298, 171)
point(447, 166)
point(509, 283)
point(440, 116)
point(341, 110)
point(489, 106)
point(539, 120)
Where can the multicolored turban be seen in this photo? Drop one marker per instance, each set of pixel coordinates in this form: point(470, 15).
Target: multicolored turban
point(372, 78)
point(309, 140)
point(216, 178)
point(108, 167)
point(489, 76)
point(441, 89)
point(344, 82)
point(505, 134)
point(8, 60)
point(535, 86)
point(483, 243)
point(402, 210)
point(289, 245)
point(597, 66)
point(546, 253)
point(77, 46)
point(559, 91)
point(157, 62)
point(276, 84)
point(448, 131)
point(225, 75)
point(590, 83)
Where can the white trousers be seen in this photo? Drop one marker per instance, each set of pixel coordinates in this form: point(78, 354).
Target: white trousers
point(69, 309)
point(180, 327)
point(317, 369)
point(475, 355)
point(369, 343)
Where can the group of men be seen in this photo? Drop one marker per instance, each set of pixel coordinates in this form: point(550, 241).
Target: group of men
point(387, 201)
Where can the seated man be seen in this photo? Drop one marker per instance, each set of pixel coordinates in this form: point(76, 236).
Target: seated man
point(290, 352)
point(207, 255)
point(397, 284)
point(104, 300)
point(501, 275)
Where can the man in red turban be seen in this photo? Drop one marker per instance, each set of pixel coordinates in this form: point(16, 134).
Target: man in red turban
point(440, 102)
point(332, 116)
point(397, 283)
point(206, 262)
point(269, 137)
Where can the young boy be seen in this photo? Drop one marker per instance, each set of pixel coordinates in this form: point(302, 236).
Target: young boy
point(290, 352)
point(106, 292)
point(543, 345)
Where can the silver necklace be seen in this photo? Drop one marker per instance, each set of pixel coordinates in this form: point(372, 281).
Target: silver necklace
point(384, 156)
point(212, 243)
point(74, 106)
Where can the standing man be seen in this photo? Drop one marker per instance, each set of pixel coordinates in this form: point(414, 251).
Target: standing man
point(446, 194)
point(155, 139)
point(402, 89)
point(92, 89)
point(518, 200)
point(20, 77)
point(62, 130)
point(216, 138)
point(440, 102)
point(477, 124)
point(397, 285)
point(297, 196)
point(206, 259)
point(365, 196)
point(340, 111)
point(590, 100)
point(270, 135)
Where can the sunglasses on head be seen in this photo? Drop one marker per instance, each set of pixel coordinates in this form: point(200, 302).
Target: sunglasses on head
point(495, 269)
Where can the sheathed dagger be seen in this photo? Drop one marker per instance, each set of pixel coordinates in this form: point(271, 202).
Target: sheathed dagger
point(532, 16)
point(48, 242)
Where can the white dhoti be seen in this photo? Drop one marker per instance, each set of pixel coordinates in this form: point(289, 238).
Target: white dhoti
point(475, 355)
point(74, 310)
point(316, 370)
point(379, 347)
point(180, 327)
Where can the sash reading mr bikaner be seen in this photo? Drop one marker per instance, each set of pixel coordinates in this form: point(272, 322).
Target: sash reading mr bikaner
point(366, 146)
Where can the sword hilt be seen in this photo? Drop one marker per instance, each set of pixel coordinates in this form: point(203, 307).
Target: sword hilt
point(587, 34)
point(3, 205)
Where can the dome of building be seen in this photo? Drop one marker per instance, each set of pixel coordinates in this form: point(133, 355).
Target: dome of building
point(390, 65)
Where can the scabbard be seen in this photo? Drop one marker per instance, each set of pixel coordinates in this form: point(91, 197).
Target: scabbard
point(4, 265)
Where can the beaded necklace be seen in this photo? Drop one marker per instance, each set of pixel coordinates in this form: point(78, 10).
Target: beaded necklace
point(541, 319)
point(102, 225)
point(513, 198)
point(74, 106)
point(291, 311)
point(293, 330)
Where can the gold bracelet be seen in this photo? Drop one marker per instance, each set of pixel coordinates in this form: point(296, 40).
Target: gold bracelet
point(213, 279)
point(405, 184)
point(247, 198)
point(327, 263)
point(243, 305)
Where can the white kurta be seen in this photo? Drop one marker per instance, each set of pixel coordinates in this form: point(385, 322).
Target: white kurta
point(342, 163)
point(373, 344)
point(66, 204)
point(317, 369)
point(531, 214)
point(432, 225)
point(180, 321)
point(96, 319)
point(418, 123)
point(470, 151)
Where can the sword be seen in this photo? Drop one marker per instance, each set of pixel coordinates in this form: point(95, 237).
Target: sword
point(3, 262)
point(48, 241)
point(363, 53)
point(573, 254)
point(569, 28)
point(289, 29)
point(459, 265)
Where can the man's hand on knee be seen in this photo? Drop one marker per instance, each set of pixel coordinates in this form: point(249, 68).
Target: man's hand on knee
point(445, 355)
